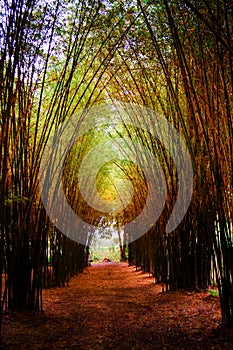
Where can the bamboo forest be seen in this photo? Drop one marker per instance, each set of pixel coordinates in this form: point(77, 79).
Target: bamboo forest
point(116, 174)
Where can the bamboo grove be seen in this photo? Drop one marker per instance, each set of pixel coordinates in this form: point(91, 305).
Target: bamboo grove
point(175, 58)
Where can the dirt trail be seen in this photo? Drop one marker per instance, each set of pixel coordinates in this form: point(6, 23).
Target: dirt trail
point(111, 306)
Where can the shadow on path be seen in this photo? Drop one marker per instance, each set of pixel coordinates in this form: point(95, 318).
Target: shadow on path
point(112, 306)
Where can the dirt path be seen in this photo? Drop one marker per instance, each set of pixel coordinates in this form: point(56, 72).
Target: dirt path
point(111, 306)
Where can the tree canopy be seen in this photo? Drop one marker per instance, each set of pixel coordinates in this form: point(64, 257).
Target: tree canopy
point(61, 58)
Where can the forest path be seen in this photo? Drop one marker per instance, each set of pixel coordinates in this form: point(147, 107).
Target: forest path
point(112, 306)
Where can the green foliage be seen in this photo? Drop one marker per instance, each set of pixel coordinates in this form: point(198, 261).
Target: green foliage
point(112, 252)
point(173, 56)
point(214, 292)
